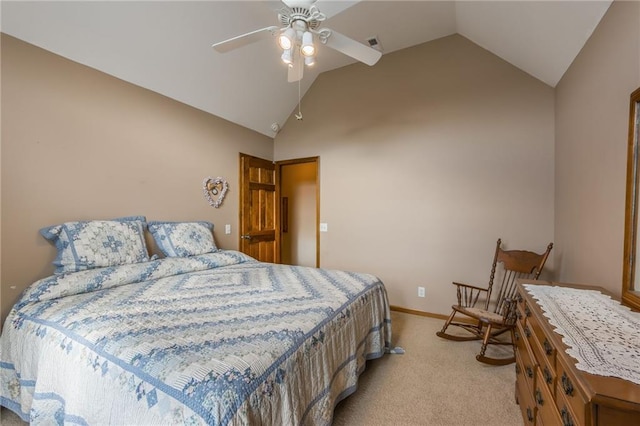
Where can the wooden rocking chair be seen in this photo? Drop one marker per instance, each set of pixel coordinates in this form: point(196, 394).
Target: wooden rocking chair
point(496, 315)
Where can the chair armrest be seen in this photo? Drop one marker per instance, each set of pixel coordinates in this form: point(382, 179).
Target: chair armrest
point(469, 286)
point(468, 294)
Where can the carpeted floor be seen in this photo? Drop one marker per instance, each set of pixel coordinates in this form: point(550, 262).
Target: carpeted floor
point(436, 383)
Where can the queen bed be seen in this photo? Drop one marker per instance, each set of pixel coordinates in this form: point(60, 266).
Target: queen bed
point(206, 337)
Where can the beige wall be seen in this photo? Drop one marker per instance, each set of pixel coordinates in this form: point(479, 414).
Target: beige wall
point(425, 160)
point(592, 114)
point(79, 144)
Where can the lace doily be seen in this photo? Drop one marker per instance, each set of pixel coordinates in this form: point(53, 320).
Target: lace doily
point(602, 335)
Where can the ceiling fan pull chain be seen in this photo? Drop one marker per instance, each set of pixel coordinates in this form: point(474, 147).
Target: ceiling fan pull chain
point(299, 114)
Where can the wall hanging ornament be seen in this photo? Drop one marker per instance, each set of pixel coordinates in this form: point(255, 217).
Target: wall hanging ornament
point(215, 190)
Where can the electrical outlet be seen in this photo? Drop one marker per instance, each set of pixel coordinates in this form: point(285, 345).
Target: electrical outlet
point(420, 291)
point(227, 229)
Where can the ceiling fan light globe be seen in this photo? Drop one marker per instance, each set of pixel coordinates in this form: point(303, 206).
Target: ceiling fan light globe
point(310, 61)
point(287, 38)
point(284, 42)
point(308, 49)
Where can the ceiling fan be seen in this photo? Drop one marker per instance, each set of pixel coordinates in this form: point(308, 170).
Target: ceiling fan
point(300, 25)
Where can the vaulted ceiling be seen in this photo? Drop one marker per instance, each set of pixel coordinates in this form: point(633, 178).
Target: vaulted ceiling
point(165, 46)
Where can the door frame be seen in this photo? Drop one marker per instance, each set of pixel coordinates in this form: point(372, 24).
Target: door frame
point(279, 165)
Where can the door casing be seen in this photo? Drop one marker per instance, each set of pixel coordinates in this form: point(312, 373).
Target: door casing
point(298, 161)
point(260, 203)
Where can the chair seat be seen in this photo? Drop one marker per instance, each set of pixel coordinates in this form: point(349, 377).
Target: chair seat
point(480, 314)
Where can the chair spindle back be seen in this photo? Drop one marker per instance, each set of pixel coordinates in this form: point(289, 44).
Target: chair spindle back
point(514, 264)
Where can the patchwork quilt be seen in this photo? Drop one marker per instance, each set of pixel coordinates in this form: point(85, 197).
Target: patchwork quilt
point(218, 339)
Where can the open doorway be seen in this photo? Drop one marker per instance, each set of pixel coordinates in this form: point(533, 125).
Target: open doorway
point(299, 212)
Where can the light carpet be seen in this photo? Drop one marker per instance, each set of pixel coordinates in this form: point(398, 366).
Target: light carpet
point(436, 382)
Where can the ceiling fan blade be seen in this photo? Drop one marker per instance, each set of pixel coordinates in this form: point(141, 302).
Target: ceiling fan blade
point(296, 69)
point(353, 48)
point(328, 7)
point(243, 40)
point(332, 8)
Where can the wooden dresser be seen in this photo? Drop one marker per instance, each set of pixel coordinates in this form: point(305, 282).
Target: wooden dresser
point(549, 388)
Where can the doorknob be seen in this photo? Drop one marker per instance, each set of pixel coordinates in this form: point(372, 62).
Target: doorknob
point(245, 237)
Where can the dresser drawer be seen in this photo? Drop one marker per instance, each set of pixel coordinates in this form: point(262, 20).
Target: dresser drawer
point(567, 416)
point(520, 299)
point(546, 375)
point(525, 357)
point(544, 365)
point(525, 400)
point(547, 411)
point(527, 333)
point(522, 311)
point(546, 351)
point(549, 377)
point(568, 392)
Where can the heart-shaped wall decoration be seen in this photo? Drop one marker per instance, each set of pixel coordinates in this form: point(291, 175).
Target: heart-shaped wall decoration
point(215, 190)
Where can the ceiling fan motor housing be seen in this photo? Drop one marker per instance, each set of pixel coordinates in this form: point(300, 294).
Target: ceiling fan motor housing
point(311, 17)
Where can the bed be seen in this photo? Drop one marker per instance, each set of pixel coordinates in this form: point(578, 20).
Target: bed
point(203, 338)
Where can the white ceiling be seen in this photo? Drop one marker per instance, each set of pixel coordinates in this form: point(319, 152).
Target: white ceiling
point(165, 46)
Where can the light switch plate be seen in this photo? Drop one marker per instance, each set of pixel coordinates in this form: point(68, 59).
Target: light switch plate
point(324, 227)
point(227, 229)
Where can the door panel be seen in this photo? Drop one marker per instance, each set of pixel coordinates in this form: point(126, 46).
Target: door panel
point(259, 232)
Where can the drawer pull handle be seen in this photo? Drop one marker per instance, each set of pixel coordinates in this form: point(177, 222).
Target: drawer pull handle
point(529, 371)
point(547, 376)
point(529, 414)
point(566, 417)
point(527, 332)
point(567, 386)
point(527, 311)
point(547, 347)
point(539, 399)
point(518, 370)
point(519, 298)
point(516, 335)
point(519, 315)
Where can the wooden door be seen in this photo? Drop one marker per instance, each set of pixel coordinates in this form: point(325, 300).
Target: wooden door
point(259, 214)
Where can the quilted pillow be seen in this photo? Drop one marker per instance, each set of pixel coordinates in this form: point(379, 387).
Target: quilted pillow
point(93, 244)
point(183, 239)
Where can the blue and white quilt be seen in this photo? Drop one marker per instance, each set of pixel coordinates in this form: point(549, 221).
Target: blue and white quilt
point(217, 339)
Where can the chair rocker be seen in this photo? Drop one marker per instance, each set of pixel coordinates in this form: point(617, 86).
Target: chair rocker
point(496, 315)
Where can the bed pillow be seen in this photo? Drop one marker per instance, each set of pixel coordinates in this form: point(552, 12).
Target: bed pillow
point(183, 239)
point(93, 244)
